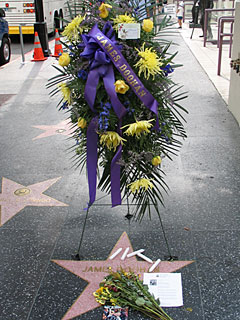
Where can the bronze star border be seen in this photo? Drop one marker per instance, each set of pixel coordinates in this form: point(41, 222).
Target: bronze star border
point(94, 271)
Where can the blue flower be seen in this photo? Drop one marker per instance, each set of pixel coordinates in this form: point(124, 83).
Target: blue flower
point(103, 121)
point(82, 74)
point(64, 106)
point(167, 69)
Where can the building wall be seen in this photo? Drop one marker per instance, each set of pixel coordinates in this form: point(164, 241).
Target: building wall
point(234, 90)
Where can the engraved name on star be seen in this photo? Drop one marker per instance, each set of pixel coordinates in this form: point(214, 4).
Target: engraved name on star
point(63, 128)
point(15, 197)
point(94, 272)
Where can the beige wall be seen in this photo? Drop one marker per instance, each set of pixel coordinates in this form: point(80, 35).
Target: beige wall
point(234, 90)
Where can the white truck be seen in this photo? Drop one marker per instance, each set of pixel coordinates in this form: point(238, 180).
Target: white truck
point(23, 13)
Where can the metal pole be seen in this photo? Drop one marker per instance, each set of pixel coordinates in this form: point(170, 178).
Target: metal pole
point(231, 39)
point(21, 43)
point(41, 27)
point(220, 49)
point(39, 10)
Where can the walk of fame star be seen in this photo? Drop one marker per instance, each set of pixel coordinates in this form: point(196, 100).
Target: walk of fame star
point(64, 128)
point(94, 271)
point(15, 197)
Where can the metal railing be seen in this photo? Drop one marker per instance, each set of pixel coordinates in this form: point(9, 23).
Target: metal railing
point(221, 35)
point(206, 22)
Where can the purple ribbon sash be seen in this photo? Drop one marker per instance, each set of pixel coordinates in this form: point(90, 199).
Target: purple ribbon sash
point(101, 65)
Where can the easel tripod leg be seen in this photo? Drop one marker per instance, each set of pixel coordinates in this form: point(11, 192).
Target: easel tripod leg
point(170, 257)
point(77, 256)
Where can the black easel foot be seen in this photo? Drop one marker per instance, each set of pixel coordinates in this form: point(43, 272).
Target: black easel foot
point(77, 257)
point(170, 258)
point(128, 216)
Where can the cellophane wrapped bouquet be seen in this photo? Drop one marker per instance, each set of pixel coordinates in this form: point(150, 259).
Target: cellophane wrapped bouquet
point(121, 100)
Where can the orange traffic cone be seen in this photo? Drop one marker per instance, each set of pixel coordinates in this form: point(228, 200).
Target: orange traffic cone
point(58, 46)
point(38, 53)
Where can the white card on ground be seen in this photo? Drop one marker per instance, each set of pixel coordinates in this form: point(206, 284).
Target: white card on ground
point(165, 286)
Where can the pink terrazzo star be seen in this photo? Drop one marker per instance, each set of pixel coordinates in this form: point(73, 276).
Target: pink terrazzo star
point(64, 128)
point(15, 197)
point(94, 271)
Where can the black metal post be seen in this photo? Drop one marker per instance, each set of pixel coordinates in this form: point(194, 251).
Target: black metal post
point(41, 27)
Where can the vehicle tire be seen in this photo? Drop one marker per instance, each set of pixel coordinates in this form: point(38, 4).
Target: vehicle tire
point(5, 51)
point(55, 24)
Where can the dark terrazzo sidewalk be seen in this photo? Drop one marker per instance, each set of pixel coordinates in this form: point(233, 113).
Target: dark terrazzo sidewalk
point(201, 215)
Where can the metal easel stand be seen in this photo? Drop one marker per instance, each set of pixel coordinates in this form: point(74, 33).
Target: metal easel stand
point(128, 216)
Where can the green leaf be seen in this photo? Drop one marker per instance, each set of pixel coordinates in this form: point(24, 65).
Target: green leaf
point(140, 301)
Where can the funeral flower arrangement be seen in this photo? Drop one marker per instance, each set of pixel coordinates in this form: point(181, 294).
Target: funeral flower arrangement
point(126, 289)
point(121, 100)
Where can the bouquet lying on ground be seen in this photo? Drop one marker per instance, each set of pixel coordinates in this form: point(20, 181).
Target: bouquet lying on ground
point(126, 289)
point(121, 100)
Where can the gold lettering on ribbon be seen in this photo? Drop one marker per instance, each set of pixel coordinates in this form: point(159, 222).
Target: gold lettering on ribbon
point(129, 78)
point(109, 47)
point(103, 42)
point(123, 67)
point(99, 37)
point(134, 82)
point(137, 89)
point(113, 53)
point(116, 58)
point(142, 93)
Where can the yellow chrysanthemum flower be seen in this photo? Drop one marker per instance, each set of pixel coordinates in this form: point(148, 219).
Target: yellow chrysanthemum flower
point(138, 127)
point(73, 29)
point(147, 25)
point(104, 10)
point(141, 183)
point(122, 18)
point(149, 63)
point(156, 161)
point(64, 60)
point(66, 92)
point(82, 123)
point(111, 139)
